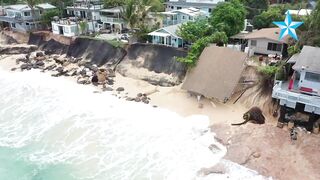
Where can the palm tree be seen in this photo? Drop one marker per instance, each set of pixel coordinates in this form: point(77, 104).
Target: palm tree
point(129, 13)
point(31, 4)
point(135, 12)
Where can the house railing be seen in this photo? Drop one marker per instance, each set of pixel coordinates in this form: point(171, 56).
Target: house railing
point(290, 99)
point(107, 19)
point(167, 22)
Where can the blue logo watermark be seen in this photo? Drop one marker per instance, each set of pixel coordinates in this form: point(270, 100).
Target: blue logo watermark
point(288, 27)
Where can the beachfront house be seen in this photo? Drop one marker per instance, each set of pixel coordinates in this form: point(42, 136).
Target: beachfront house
point(19, 17)
point(88, 10)
point(182, 15)
point(167, 36)
point(302, 91)
point(111, 19)
point(264, 41)
point(206, 6)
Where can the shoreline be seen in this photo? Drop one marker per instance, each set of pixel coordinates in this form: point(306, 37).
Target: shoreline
point(248, 145)
point(172, 98)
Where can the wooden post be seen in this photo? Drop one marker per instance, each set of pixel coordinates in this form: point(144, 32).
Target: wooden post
point(281, 119)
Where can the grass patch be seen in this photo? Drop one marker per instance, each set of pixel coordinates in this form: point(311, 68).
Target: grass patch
point(113, 42)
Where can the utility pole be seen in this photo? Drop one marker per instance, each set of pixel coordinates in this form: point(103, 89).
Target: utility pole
point(75, 17)
point(90, 12)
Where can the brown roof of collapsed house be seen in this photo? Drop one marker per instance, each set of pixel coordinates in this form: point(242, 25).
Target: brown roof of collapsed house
point(308, 58)
point(217, 73)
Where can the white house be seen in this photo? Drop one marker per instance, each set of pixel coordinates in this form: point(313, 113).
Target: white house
point(19, 18)
point(89, 10)
point(301, 12)
point(301, 93)
point(205, 5)
point(111, 18)
point(307, 70)
point(71, 27)
point(167, 36)
point(182, 15)
point(266, 41)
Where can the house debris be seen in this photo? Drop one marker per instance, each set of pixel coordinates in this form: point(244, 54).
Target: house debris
point(217, 73)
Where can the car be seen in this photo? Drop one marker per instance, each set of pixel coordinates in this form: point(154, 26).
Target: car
point(125, 37)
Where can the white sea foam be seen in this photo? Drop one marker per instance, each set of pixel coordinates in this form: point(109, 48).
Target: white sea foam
point(55, 121)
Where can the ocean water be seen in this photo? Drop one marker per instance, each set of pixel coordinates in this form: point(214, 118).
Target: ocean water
point(53, 129)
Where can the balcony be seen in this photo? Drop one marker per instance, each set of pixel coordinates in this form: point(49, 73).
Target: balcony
point(85, 7)
point(167, 22)
point(11, 19)
point(107, 19)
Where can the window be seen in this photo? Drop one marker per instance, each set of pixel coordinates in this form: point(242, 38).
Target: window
point(27, 14)
point(274, 47)
point(13, 25)
point(253, 43)
point(190, 18)
point(27, 24)
point(179, 8)
point(312, 77)
point(172, 7)
point(40, 11)
point(210, 10)
point(183, 17)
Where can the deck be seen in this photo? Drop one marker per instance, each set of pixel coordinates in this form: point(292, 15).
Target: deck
point(291, 98)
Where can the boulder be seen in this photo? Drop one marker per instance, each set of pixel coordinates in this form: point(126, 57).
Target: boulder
point(137, 99)
point(101, 75)
point(119, 89)
point(39, 63)
point(83, 80)
point(60, 69)
point(107, 89)
point(50, 67)
point(25, 66)
point(39, 54)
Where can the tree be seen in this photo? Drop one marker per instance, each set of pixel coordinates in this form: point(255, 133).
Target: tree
point(228, 17)
point(9, 2)
point(47, 17)
point(196, 49)
point(83, 27)
point(191, 31)
point(311, 34)
point(129, 13)
point(265, 19)
point(255, 7)
point(135, 12)
point(113, 3)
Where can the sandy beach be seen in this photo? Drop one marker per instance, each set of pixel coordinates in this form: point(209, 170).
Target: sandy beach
point(172, 98)
point(249, 145)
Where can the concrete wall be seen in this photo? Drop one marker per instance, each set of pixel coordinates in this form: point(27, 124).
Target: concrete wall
point(68, 30)
point(262, 47)
point(72, 30)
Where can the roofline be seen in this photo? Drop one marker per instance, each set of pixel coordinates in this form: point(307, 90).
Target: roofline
point(167, 32)
point(283, 42)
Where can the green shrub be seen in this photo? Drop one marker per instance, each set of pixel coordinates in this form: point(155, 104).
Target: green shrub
point(196, 49)
point(294, 49)
point(268, 71)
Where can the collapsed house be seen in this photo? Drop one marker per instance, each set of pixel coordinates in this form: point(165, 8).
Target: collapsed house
point(302, 92)
point(217, 73)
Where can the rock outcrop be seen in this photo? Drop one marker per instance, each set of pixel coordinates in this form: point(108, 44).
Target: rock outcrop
point(269, 150)
point(17, 49)
point(153, 63)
